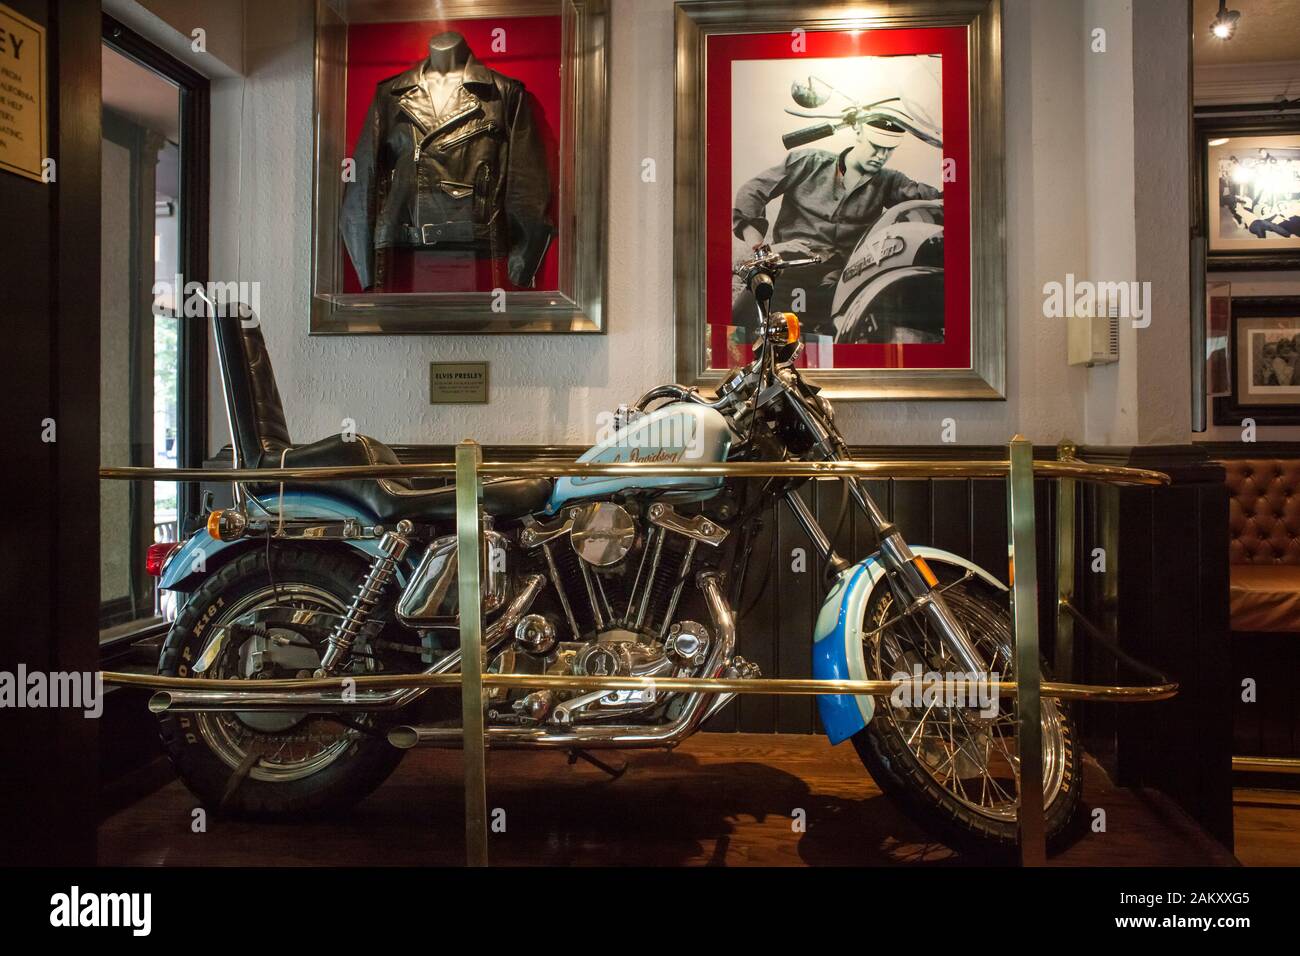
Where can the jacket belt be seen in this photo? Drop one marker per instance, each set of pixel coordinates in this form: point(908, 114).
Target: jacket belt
point(436, 233)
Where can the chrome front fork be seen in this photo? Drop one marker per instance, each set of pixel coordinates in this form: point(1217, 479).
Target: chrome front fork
point(915, 585)
point(913, 582)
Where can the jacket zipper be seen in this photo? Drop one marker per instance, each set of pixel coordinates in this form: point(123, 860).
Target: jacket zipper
point(419, 145)
point(454, 141)
point(464, 136)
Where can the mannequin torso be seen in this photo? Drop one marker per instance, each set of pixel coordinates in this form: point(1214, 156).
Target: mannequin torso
point(444, 70)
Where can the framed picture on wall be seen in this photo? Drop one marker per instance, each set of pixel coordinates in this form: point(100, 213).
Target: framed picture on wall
point(461, 150)
point(1250, 192)
point(870, 138)
point(1218, 341)
point(1265, 366)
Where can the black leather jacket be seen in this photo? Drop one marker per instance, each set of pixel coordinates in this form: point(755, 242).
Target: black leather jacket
point(473, 178)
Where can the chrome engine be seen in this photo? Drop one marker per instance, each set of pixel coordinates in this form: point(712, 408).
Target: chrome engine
point(618, 580)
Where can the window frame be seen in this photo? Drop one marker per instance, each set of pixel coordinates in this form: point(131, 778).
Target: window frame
point(193, 215)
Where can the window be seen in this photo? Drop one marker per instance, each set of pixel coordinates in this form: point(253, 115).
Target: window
point(152, 359)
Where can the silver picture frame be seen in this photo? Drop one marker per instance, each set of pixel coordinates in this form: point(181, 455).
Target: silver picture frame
point(696, 21)
point(578, 306)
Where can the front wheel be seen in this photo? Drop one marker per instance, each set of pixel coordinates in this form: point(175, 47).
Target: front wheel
point(955, 769)
point(271, 764)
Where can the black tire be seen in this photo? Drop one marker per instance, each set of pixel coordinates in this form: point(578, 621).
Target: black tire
point(361, 762)
point(906, 778)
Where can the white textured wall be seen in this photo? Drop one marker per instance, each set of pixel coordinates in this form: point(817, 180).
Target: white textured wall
point(549, 388)
point(1111, 231)
point(1161, 203)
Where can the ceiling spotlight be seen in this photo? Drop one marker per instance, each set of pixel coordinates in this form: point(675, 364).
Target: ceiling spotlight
point(1225, 21)
point(1217, 142)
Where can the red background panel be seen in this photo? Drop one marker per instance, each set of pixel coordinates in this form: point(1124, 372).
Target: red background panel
point(948, 42)
point(377, 51)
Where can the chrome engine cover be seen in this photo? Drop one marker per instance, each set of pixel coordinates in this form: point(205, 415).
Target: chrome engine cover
point(432, 596)
point(614, 653)
point(618, 583)
point(603, 533)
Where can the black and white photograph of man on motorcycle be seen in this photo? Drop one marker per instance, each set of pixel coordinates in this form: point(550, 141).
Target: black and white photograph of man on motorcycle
point(867, 201)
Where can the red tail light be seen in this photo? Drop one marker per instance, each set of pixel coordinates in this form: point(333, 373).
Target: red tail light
point(157, 556)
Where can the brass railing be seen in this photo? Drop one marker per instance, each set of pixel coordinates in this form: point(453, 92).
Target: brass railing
point(469, 470)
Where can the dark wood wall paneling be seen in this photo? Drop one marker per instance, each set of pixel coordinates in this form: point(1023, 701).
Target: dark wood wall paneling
point(50, 364)
point(1165, 596)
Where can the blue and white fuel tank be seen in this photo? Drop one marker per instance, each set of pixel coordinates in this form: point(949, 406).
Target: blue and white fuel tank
point(677, 432)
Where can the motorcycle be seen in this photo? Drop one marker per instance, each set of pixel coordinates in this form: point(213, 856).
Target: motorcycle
point(891, 287)
point(890, 290)
point(611, 576)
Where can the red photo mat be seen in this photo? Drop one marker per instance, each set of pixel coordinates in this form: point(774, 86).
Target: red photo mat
point(377, 51)
point(950, 44)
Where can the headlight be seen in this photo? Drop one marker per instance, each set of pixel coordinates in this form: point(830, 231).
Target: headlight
point(828, 410)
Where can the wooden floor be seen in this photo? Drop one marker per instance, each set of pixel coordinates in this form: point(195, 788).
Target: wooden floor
point(721, 799)
point(1267, 827)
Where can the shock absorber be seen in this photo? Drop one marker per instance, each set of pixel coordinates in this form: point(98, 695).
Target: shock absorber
point(392, 548)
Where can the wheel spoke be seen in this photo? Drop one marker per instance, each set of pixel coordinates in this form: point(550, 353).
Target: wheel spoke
point(942, 748)
point(300, 749)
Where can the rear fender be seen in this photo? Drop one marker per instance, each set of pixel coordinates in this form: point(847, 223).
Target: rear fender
point(202, 554)
point(838, 646)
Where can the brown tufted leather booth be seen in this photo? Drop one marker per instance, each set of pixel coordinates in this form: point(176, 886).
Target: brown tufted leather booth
point(1264, 544)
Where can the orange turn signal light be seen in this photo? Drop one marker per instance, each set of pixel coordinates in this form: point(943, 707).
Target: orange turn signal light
point(791, 328)
point(227, 525)
point(926, 573)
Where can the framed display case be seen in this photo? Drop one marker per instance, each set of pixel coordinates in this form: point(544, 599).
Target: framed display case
point(1249, 191)
point(460, 166)
point(1264, 363)
point(871, 138)
point(1218, 341)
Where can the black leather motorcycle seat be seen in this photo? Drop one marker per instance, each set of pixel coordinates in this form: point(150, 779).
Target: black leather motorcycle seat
point(392, 499)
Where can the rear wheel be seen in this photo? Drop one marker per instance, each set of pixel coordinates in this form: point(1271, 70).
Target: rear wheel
point(952, 769)
point(271, 764)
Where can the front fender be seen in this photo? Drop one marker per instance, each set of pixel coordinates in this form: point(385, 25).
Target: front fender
point(201, 554)
point(838, 639)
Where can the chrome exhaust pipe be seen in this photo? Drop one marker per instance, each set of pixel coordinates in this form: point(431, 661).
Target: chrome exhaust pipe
point(595, 737)
point(335, 701)
point(311, 702)
point(606, 736)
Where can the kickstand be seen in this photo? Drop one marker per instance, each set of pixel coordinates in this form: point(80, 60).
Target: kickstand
point(240, 775)
point(614, 772)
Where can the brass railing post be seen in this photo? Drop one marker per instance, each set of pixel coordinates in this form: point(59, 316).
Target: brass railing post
point(1066, 509)
point(468, 491)
point(1024, 622)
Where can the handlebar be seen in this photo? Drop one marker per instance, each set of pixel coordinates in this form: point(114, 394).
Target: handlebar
point(855, 115)
point(764, 260)
point(806, 261)
point(809, 134)
point(679, 393)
